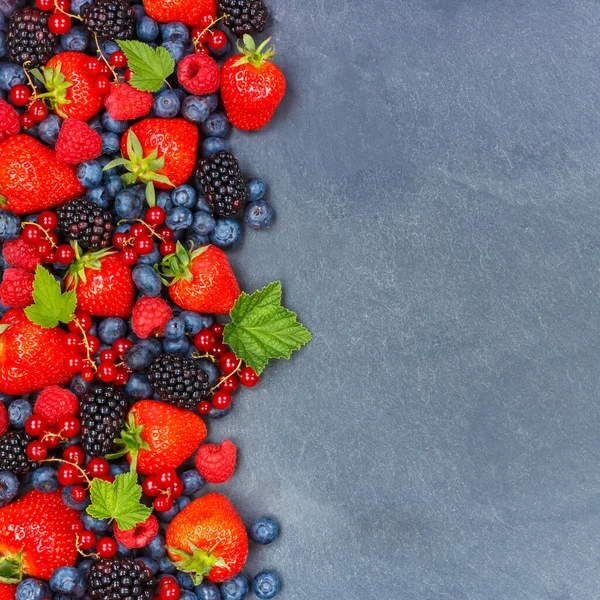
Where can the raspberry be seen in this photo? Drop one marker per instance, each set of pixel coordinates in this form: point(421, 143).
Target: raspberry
point(125, 102)
point(16, 289)
point(138, 537)
point(21, 255)
point(199, 74)
point(4, 420)
point(9, 120)
point(216, 462)
point(150, 315)
point(55, 402)
point(77, 142)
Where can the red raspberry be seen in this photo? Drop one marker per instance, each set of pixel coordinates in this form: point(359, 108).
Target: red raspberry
point(4, 420)
point(16, 289)
point(199, 74)
point(216, 462)
point(77, 142)
point(138, 537)
point(21, 254)
point(149, 317)
point(54, 402)
point(9, 120)
point(125, 102)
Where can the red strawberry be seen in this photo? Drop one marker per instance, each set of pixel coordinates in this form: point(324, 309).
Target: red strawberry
point(9, 120)
point(21, 255)
point(201, 281)
point(32, 179)
point(188, 12)
point(55, 402)
point(126, 102)
point(216, 462)
point(32, 357)
point(208, 539)
point(70, 86)
point(138, 537)
point(16, 289)
point(251, 86)
point(199, 74)
point(77, 142)
point(103, 284)
point(7, 591)
point(149, 317)
point(41, 527)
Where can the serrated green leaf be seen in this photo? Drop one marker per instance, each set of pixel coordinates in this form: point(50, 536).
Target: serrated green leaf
point(261, 329)
point(50, 306)
point(150, 67)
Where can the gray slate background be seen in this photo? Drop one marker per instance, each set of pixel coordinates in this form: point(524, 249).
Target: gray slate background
point(436, 171)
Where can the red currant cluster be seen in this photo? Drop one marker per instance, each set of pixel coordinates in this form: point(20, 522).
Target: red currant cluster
point(41, 235)
point(164, 486)
point(49, 436)
point(138, 239)
point(169, 589)
point(204, 33)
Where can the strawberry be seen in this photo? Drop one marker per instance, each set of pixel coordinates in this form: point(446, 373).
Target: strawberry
point(9, 120)
point(216, 462)
point(188, 12)
point(31, 177)
point(70, 86)
point(208, 539)
point(7, 591)
point(161, 435)
point(251, 86)
point(126, 102)
point(37, 535)
point(200, 280)
point(103, 284)
point(77, 142)
point(199, 74)
point(32, 357)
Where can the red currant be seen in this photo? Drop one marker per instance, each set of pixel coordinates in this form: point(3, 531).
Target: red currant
point(138, 229)
point(37, 451)
point(165, 233)
point(203, 407)
point(52, 237)
point(217, 40)
point(93, 66)
point(84, 320)
point(106, 372)
point(51, 437)
point(101, 85)
point(59, 23)
point(69, 426)
point(43, 247)
point(200, 49)
point(217, 329)
point(47, 220)
point(229, 363)
point(218, 349)
point(121, 345)
point(31, 233)
point(20, 94)
point(39, 111)
point(155, 215)
point(93, 343)
point(129, 256)
point(74, 363)
point(64, 5)
point(68, 475)
point(150, 487)
point(78, 494)
point(77, 526)
point(49, 257)
point(87, 540)
point(176, 488)
point(121, 377)
point(118, 59)
point(206, 20)
point(248, 377)
point(119, 239)
point(163, 503)
point(143, 244)
point(106, 547)
point(27, 120)
point(230, 384)
point(221, 400)
point(98, 467)
point(65, 254)
point(204, 340)
point(167, 247)
point(87, 374)
point(128, 74)
point(35, 425)
point(104, 70)
point(74, 454)
point(165, 478)
point(169, 590)
point(44, 4)
point(108, 356)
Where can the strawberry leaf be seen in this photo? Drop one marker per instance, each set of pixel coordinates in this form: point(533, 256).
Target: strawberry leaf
point(262, 329)
point(50, 306)
point(150, 67)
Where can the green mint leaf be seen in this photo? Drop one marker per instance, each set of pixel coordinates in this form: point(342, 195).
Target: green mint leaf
point(50, 306)
point(119, 501)
point(262, 329)
point(150, 67)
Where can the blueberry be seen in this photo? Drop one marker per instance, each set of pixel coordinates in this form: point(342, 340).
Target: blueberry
point(11, 75)
point(118, 469)
point(128, 205)
point(10, 226)
point(175, 328)
point(179, 346)
point(203, 223)
point(2, 45)
point(213, 101)
point(187, 595)
point(68, 580)
point(99, 195)
point(257, 188)
point(70, 502)
point(113, 125)
point(75, 40)
point(111, 329)
point(264, 530)
point(154, 345)
point(211, 145)
point(163, 199)
point(202, 204)
point(95, 123)
point(76, 6)
point(167, 516)
point(207, 590)
point(164, 564)
point(124, 551)
point(196, 240)
point(139, 11)
point(175, 32)
point(184, 195)
point(266, 585)
point(48, 130)
point(195, 109)
point(114, 184)
point(166, 105)
point(150, 563)
point(151, 259)
point(156, 547)
point(89, 173)
point(259, 214)
point(185, 581)
point(176, 49)
point(235, 589)
point(192, 482)
point(215, 413)
point(18, 412)
point(85, 565)
point(110, 143)
point(44, 479)
point(182, 502)
point(32, 589)
point(224, 51)
point(179, 218)
point(147, 29)
point(108, 47)
point(9, 486)
point(93, 524)
point(217, 125)
point(227, 233)
point(138, 357)
point(146, 280)
point(194, 322)
point(78, 386)
point(211, 370)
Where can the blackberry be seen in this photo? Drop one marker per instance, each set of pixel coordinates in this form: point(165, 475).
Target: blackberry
point(246, 16)
point(224, 187)
point(109, 19)
point(13, 452)
point(178, 380)
point(102, 412)
point(119, 579)
point(84, 221)
point(29, 40)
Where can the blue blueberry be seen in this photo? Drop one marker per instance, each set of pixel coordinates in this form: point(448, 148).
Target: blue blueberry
point(11, 75)
point(147, 29)
point(179, 346)
point(187, 595)
point(212, 145)
point(70, 502)
point(89, 173)
point(224, 51)
point(182, 502)
point(167, 517)
point(175, 32)
point(266, 585)
point(226, 234)
point(213, 101)
point(76, 6)
point(257, 188)
point(78, 386)
point(150, 563)
point(179, 218)
point(217, 125)
point(2, 45)
point(68, 580)
point(184, 195)
point(99, 195)
point(124, 551)
point(207, 590)
point(175, 328)
point(93, 524)
point(166, 105)
point(9, 486)
point(194, 322)
point(203, 223)
point(108, 47)
point(211, 370)
point(111, 329)
point(111, 142)
point(10, 226)
point(49, 128)
point(163, 199)
point(259, 215)
point(178, 50)
point(235, 589)
point(139, 11)
point(152, 258)
point(44, 479)
point(196, 240)
point(264, 530)
point(32, 589)
point(146, 280)
point(18, 412)
point(138, 356)
point(114, 184)
point(85, 565)
point(192, 482)
point(156, 547)
point(215, 413)
point(154, 345)
point(195, 109)
point(118, 469)
point(114, 125)
point(128, 205)
point(75, 40)
point(95, 123)
point(185, 581)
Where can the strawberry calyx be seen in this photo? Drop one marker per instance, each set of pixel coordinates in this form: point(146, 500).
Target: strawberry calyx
point(11, 568)
point(198, 563)
point(56, 85)
point(253, 55)
point(131, 441)
point(90, 260)
point(141, 168)
point(176, 266)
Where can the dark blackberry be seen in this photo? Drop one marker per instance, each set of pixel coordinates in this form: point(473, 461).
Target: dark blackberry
point(29, 40)
point(109, 19)
point(102, 412)
point(178, 380)
point(13, 452)
point(224, 187)
point(246, 16)
point(119, 579)
point(84, 221)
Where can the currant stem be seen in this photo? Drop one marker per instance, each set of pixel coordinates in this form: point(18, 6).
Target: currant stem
point(64, 12)
point(114, 73)
point(87, 346)
point(216, 387)
point(66, 462)
point(44, 230)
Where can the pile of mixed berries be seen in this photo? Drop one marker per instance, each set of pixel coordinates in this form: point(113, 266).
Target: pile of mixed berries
point(119, 195)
